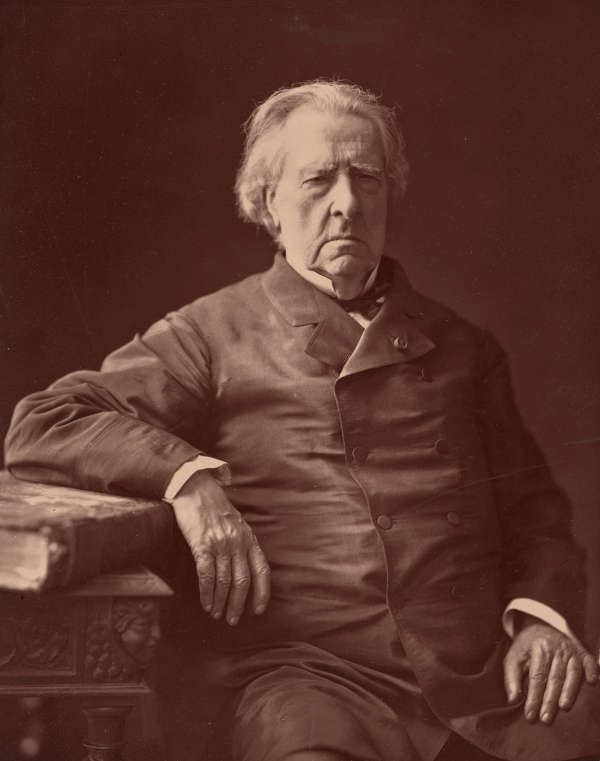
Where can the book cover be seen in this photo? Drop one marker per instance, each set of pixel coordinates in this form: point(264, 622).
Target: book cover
point(53, 536)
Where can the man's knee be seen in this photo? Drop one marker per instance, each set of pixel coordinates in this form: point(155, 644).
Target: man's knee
point(295, 725)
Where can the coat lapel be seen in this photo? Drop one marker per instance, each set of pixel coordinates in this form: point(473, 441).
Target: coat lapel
point(395, 335)
point(300, 303)
point(335, 337)
point(338, 340)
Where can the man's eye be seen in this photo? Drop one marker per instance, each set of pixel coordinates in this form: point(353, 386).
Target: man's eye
point(368, 178)
point(318, 179)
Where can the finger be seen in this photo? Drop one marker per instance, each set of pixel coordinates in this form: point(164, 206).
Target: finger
point(572, 682)
point(205, 568)
point(554, 685)
point(538, 672)
point(590, 667)
point(240, 584)
point(261, 578)
point(513, 676)
point(223, 582)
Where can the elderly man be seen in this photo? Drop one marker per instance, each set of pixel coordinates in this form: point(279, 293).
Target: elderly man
point(346, 463)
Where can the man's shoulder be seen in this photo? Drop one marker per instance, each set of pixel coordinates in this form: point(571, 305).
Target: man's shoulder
point(455, 335)
point(234, 302)
point(432, 314)
point(446, 315)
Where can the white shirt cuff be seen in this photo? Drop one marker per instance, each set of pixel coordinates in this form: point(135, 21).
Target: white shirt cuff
point(220, 471)
point(537, 609)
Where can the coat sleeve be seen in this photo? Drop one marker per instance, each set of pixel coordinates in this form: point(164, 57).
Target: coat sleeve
point(126, 428)
point(541, 559)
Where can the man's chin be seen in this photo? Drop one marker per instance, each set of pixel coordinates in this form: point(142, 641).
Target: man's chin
point(345, 262)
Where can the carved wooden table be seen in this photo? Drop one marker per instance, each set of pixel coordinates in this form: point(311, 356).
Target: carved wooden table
point(93, 642)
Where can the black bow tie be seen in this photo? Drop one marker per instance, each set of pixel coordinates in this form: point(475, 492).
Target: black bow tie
point(369, 303)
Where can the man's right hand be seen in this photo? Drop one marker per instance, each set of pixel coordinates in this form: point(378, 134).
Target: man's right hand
point(228, 557)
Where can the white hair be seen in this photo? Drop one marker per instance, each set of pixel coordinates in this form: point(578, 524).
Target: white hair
point(263, 156)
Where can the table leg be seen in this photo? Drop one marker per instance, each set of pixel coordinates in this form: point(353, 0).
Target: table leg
point(106, 732)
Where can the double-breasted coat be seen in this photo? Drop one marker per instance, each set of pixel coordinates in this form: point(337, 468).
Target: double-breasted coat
point(385, 472)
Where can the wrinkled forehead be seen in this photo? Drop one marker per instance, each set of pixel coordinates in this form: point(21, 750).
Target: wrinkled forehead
point(312, 137)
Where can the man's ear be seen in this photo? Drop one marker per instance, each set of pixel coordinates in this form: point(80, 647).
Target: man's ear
point(271, 207)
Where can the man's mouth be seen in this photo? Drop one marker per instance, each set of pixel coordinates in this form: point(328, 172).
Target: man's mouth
point(344, 238)
point(343, 244)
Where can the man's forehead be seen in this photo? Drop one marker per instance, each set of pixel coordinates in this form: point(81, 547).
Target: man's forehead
point(314, 136)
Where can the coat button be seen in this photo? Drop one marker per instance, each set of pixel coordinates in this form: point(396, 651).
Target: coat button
point(359, 455)
point(441, 446)
point(453, 518)
point(400, 343)
point(384, 522)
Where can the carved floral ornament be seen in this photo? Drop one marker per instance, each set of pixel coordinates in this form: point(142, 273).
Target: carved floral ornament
point(122, 640)
point(40, 640)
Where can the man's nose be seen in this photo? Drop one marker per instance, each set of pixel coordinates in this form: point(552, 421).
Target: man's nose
point(344, 201)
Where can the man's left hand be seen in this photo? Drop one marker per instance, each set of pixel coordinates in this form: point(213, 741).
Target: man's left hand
point(555, 665)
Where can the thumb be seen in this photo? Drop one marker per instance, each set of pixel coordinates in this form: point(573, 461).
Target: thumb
point(590, 666)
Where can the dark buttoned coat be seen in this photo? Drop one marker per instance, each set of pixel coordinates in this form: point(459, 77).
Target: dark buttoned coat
point(381, 467)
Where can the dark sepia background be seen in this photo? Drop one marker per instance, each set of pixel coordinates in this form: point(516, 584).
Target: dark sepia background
point(121, 136)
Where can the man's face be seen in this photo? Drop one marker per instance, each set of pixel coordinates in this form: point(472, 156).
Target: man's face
point(331, 201)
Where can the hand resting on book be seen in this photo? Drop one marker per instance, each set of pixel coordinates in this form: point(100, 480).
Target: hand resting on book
point(229, 560)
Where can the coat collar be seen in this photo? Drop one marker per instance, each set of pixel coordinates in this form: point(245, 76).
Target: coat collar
point(392, 337)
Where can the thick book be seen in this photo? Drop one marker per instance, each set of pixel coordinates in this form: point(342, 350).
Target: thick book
point(53, 536)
